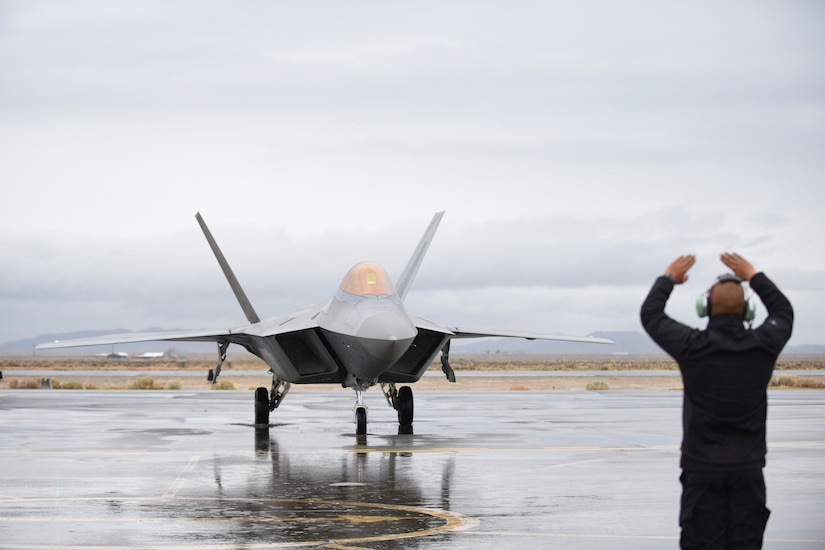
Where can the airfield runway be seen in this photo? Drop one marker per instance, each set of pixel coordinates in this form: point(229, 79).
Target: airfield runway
point(517, 469)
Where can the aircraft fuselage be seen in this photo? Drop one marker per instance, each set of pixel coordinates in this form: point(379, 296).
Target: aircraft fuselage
point(366, 325)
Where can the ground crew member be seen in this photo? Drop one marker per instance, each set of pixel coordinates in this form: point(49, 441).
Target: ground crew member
point(725, 370)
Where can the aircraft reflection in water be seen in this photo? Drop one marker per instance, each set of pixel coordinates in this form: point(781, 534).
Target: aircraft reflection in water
point(296, 496)
point(363, 336)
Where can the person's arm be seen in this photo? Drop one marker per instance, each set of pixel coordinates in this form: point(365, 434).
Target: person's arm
point(778, 326)
point(669, 334)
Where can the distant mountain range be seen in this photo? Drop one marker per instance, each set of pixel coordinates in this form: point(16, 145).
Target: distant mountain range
point(628, 342)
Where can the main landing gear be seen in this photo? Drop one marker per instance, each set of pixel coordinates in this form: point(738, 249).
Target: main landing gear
point(402, 401)
point(267, 401)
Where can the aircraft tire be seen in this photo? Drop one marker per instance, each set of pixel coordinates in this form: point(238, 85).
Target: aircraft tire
point(405, 406)
point(360, 421)
point(261, 406)
point(210, 375)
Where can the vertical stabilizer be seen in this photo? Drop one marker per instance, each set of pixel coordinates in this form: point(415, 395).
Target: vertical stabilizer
point(407, 276)
point(248, 310)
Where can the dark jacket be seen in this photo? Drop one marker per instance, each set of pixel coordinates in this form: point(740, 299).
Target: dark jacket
point(725, 369)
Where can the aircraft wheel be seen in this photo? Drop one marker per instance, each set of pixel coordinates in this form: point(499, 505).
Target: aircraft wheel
point(261, 406)
point(360, 421)
point(405, 406)
point(210, 375)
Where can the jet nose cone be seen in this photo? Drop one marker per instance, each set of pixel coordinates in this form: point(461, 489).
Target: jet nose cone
point(387, 325)
point(385, 338)
point(387, 335)
point(370, 338)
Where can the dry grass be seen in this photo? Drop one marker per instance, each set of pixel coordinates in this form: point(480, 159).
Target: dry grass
point(24, 384)
point(796, 381)
point(145, 383)
point(224, 385)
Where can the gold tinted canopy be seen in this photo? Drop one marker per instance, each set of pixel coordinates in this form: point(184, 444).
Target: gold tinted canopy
point(367, 278)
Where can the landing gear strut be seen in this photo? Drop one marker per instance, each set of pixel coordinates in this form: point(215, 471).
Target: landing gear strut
point(445, 363)
point(212, 375)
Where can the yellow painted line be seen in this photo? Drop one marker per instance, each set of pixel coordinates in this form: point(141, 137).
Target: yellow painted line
point(517, 534)
point(176, 486)
point(395, 450)
point(77, 499)
point(581, 448)
point(564, 465)
point(454, 522)
point(589, 448)
point(76, 452)
point(797, 444)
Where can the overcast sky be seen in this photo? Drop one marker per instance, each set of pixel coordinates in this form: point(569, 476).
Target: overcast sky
point(577, 148)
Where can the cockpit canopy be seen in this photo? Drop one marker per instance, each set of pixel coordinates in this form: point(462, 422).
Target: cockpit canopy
point(367, 279)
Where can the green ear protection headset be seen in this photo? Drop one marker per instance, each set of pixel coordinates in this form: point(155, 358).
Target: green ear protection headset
point(703, 304)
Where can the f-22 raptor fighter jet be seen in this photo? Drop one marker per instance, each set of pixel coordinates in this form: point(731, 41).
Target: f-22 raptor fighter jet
point(362, 337)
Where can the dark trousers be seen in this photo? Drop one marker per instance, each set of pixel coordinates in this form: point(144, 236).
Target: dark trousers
point(724, 510)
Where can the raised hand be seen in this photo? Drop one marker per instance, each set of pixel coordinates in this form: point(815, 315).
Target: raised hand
point(679, 267)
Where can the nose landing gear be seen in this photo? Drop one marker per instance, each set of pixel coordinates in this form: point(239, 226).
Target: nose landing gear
point(399, 399)
point(360, 409)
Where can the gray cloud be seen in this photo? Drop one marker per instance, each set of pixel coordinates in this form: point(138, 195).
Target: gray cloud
point(577, 148)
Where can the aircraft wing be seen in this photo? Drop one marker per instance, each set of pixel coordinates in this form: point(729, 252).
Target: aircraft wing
point(291, 322)
point(459, 332)
point(130, 337)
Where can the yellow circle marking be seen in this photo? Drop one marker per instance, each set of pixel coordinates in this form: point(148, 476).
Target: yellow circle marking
point(452, 521)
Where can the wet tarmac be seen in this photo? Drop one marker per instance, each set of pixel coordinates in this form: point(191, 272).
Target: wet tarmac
point(517, 469)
